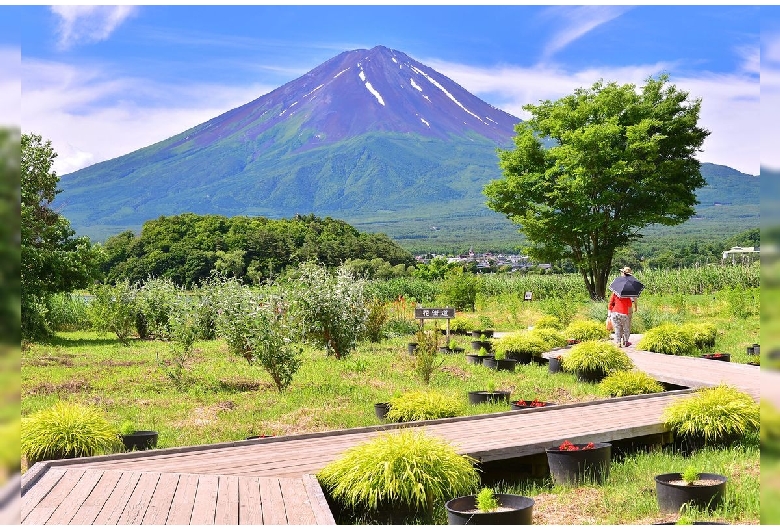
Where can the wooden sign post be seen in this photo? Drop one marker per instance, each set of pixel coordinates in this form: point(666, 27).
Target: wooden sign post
point(423, 313)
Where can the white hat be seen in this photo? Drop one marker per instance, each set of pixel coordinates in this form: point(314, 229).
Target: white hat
point(626, 270)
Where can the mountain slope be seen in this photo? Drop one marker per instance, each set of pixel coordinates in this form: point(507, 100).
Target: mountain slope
point(370, 136)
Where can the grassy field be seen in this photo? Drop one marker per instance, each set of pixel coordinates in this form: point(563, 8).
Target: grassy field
point(221, 398)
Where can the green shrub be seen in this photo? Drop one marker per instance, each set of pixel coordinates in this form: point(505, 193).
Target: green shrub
point(670, 339)
point(713, 415)
point(10, 458)
point(629, 383)
point(426, 358)
point(585, 330)
point(66, 430)
point(703, 334)
point(330, 309)
point(113, 308)
point(67, 312)
point(548, 322)
point(400, 327)
point(376, 319)
point(155, 301)
point(459, 290)
point(486, 500)
point(520, 342)
point(406, 468)
point(690, 475)
point(460, 325)
point(596, 355)
point(551, 337)
point(418, 405)
point(564, 309)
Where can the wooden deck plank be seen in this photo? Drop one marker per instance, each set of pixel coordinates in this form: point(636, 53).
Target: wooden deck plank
point(41, 513)
point(272, 501)
point(227, 501)
point(296, 502)
point(205, 500)
point(93, 504)
point(319, 503)
point(160, 503)
point(42, 488)
point(116, 502)
point(139, 501)
point(249, 501)
point(75, 498)
point(183, 501)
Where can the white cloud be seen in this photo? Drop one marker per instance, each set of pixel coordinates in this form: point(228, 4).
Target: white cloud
point(731, 104)
point(88, 23)
point(574, 22)
point(91, 115)
point(770, 100)
point(10, 87)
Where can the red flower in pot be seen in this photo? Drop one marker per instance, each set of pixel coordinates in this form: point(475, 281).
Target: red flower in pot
point(568, 446)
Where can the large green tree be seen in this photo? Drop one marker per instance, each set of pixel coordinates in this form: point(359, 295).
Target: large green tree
point(52, 259)
point(616, 160)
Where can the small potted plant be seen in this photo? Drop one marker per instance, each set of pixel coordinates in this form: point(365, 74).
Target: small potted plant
point(522, 404)
point(135, 440)
point(491, 395)
point(554, 364)
point(690, 488)
point(629, 383)
point(422, 405)
point(454, 348)
point(411, 348)
point(499, 362)
point(381, 409)
point(591, 361)
point(572, 463)
point(717, 356)
point(521, 346)
point(487, 507)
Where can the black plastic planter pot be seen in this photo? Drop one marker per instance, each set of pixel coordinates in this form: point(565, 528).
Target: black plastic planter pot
point(515, 509)
point(590, 376)
point(520, 357)
point(411, 348)
point(672, 492)
point(584, 465)
point(474, 359)
point(483, 396)
point(554, 365)
point(381, 409)
point(139, 440)
point(507, 365)
point(477, 345)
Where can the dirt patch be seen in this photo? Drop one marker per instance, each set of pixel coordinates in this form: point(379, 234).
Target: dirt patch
point(201, 416)
point(457, 372)
point(50, 360)
point(570, 509)
point(74, 386)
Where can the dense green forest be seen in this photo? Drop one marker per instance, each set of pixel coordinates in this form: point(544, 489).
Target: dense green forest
point(186, 248)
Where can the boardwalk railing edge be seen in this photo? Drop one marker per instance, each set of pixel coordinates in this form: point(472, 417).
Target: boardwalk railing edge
point(354, 430)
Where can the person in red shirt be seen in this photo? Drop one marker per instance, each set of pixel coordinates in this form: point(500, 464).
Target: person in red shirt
point(620, 310)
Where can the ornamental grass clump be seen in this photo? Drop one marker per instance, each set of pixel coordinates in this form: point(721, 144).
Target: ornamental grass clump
point(520, 342)
point(703, 334)
point(713, 415)
point(629, 383)
point(551, 337)
point(586, 330)
point(548, 322)
point(596, 355)
point(670, 339)
point(405, 468)
point(66, 430)
point(419, 405)
point(486, 500)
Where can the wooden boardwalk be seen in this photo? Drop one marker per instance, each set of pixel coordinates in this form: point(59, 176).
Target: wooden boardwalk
point(271, 480)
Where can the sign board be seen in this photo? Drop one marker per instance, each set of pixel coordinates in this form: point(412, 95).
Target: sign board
point(430, 312)
point(528, 296)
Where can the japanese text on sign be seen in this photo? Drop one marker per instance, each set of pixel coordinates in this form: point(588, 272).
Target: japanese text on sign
point(425, 312)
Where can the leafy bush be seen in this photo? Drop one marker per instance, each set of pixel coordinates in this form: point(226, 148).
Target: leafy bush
point(671, 339)
point(713, 415)
point(67, 312)
point(459, 289)
point(564, 309)
point(596, 355)
point(66, 430)
point(703, 334)
point(741, 302)
point(426, 358)
point(184, 329)
point(113, 308)
point(407, 468)
point(417, 406)
point(520, 342)
point(460, 325)
point(548, 322)
point(155, 301)
point(376, 319)
point(585, 330)
point(551, 337)
point(629, 383)
point(400, 327)
point(329, 308)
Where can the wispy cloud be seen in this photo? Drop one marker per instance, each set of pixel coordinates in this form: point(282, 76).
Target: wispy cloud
point(575, 22)
point(88, 24)
point(731, 103)
point(115, 115)
point(770, 99)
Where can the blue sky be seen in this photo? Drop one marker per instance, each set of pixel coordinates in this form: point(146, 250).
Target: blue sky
point(103, 81)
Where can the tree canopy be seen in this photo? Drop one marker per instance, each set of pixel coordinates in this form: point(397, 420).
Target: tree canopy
point(52, 260)
point(617, 160)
